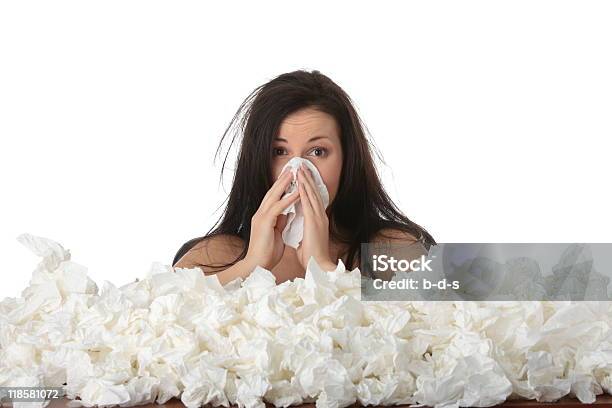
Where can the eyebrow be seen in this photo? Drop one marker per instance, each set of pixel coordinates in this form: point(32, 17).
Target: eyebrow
point(280, 139)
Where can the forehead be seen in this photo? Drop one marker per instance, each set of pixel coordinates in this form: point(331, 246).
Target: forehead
point(307, 123)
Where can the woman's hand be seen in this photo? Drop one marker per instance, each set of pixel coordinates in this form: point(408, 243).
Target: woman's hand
point(316, 224)
point(266, 244)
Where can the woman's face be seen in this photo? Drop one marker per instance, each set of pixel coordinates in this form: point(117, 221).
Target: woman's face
point(312, 135)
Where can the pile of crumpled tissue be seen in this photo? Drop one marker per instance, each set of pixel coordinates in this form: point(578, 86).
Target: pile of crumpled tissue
point(181, 334)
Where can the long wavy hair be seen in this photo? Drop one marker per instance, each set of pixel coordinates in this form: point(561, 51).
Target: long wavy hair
point(361, 207)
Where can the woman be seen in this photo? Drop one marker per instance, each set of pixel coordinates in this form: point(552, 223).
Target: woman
point(299, 114)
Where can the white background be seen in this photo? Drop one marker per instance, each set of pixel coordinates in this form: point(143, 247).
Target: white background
point(492, 117)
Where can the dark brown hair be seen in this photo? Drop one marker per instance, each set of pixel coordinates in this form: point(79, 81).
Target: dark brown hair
point(361, 207)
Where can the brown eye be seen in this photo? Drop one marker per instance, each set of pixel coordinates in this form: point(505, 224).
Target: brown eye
point(319, 151)
point(278, 151)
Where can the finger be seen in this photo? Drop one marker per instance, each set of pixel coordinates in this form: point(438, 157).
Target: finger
point(285, 202)
point(280, 180)
point(310, 193)
point(317, 195)
point(277, 189)
point(314, 195)
point(305, 200)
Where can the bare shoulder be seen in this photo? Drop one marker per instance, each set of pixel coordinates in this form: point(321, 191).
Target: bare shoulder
point(398, 244)
point(212, 253)
point(220, 241)
point(393, 235)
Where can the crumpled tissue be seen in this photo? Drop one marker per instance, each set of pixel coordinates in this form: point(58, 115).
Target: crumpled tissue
point(177, 333)
point(294, 229)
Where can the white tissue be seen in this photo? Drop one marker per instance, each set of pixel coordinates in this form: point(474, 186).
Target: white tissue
point(294, 229)
point(183, 335)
